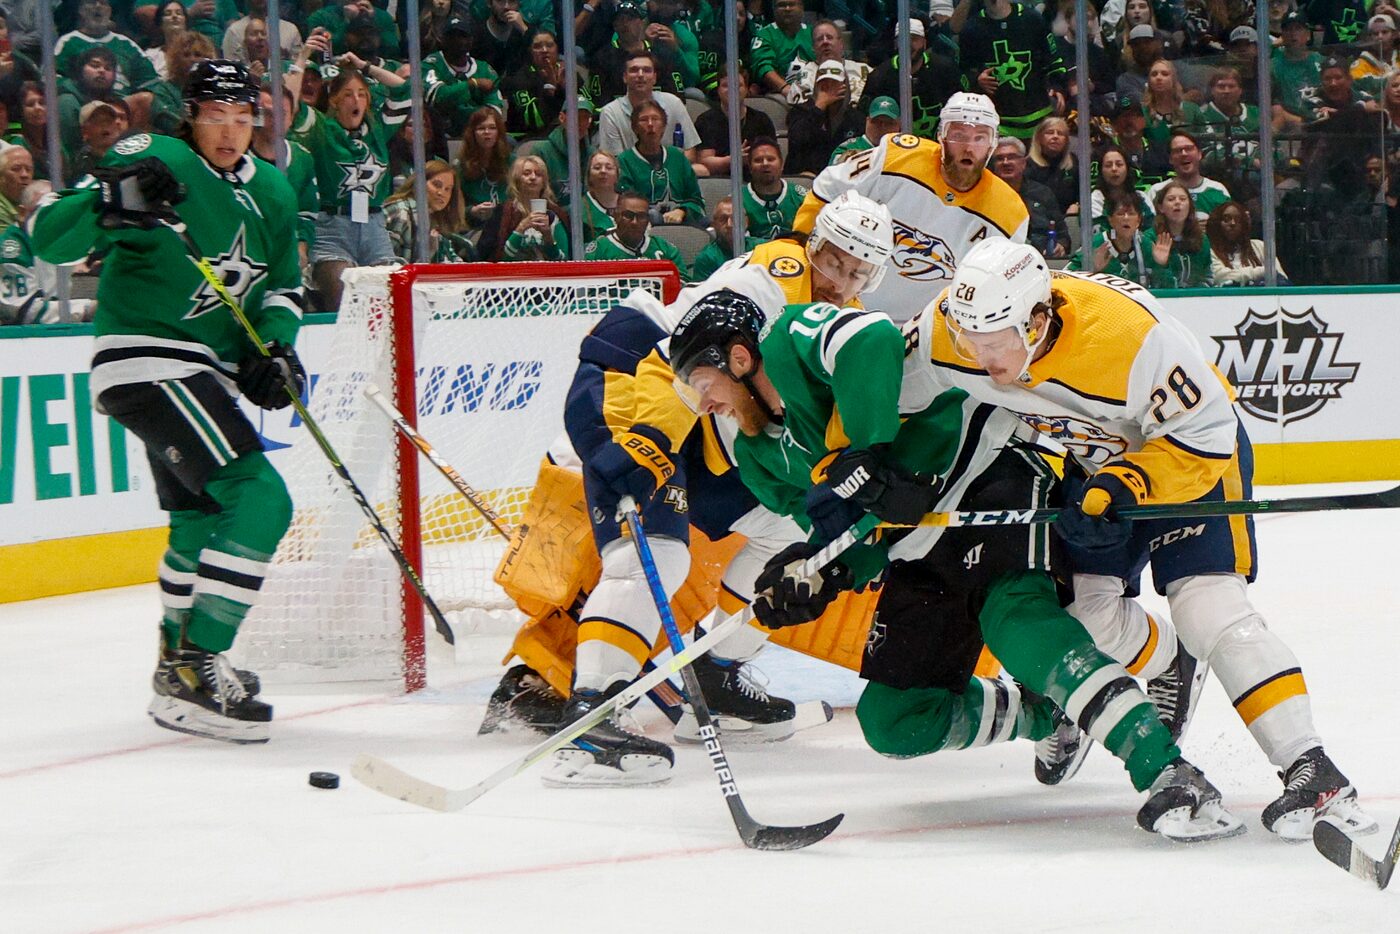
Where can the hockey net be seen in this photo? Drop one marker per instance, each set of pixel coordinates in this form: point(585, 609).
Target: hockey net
point(479, 357)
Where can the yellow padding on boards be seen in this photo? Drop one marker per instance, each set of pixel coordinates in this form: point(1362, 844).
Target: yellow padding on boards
point(1259, 700)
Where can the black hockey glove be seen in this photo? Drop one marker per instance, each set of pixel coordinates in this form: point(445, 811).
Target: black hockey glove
point(636, 464)
point(265, 379)
point(1089, 519)
point(868, 478)
point(784, 598)
point(140, 195)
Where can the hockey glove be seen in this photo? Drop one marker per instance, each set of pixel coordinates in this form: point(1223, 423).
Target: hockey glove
point(784, 598)
point(140, 195)
point(265, 380)
point(636, 464)
point(868, 478)
point(1089, 519)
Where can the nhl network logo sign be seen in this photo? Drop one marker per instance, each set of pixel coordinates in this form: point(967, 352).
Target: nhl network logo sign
point(1285, 366)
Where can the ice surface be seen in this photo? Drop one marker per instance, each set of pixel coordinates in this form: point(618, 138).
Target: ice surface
point(108, 823)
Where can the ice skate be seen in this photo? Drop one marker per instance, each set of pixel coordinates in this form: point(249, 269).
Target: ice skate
point(607, 754)
point(741, 709)
point(1183, 805)
point(1176, 691)
point(200, 693)
point(1313, 787)
point(1059, 755)
point(523, 699)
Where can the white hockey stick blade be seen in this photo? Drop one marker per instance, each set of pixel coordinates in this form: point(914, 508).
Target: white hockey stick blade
point(1332, 841)
point(396, 783)
point(387, 779)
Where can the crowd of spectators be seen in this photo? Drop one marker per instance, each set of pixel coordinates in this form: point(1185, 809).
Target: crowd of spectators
point(1175, 164)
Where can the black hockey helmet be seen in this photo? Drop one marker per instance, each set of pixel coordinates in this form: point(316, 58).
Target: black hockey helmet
point(710, 328)
point(220, 80)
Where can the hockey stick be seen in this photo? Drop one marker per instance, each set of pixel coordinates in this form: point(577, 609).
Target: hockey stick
point(1335, 844)
point(215, 283)
point(1384, 499)
point(437, 460)
point(756, 836)
point(396, 783)
point(809, 714)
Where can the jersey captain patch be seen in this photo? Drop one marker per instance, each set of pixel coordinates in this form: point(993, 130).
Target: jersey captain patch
point(785, 267)
point(238, 271)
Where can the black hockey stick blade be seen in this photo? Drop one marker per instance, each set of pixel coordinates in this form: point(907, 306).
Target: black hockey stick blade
point(758, 836)
point(1340, 848)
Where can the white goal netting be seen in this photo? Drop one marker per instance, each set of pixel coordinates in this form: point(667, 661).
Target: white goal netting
point(494, 358)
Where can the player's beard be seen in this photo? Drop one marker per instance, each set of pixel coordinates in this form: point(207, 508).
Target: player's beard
point(960, 177)
point(749, 414)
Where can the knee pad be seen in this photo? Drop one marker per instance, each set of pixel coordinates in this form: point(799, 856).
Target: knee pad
point(620, 562)
point(1210, 609)
point(1120, 627)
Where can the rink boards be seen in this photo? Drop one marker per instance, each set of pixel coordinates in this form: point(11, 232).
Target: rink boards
point(1317, 373)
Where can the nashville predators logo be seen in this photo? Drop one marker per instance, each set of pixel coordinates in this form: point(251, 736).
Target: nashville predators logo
point(784, 267)
point(921, 256)
point(1081, 437)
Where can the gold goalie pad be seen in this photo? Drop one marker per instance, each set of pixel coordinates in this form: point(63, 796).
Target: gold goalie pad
point(550, 556)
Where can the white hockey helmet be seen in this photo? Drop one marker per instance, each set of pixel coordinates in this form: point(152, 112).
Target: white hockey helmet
point(995, 288)
point(969, 107)
point(859, 226)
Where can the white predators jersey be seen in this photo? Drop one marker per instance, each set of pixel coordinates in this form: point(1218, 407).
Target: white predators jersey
point(934, 225)
point(1124, 383)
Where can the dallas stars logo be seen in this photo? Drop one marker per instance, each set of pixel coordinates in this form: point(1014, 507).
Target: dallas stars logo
point(361, 176)
point(1010, 67)
point(236, 270)
point(1348, 27)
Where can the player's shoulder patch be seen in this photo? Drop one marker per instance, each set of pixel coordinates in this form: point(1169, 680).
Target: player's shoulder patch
point(905, 141)
point(131, 145)
point(9, 248)
point(786, 267)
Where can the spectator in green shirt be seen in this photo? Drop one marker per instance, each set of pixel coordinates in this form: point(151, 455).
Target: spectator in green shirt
point(1297, 73)
point(719, 250)
point(661, 172)
point(778, 45)
point(880, 121)
point(336, 16)
point(1123, 248)
point(1180, 257)
point(482, 164)
point(631, 238)
point(529, 226)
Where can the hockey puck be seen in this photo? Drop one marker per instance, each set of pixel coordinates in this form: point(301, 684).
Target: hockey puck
point(324, 780)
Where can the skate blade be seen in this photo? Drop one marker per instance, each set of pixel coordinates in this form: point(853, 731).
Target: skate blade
point(1297, 826)
point(1211, 822)
point(192, 719)
point(733, 729)
point(576, 768)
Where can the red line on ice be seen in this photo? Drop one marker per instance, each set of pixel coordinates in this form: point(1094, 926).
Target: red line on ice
point(497, 874)
point(174, 741)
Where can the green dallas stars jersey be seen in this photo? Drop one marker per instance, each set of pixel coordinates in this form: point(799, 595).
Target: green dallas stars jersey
point(25, 283)
point(839, 373)
point(157, 316)
point(771, 217)
point(1022, 54)
point(610, 248)
point(353, 160)
point(454, 94)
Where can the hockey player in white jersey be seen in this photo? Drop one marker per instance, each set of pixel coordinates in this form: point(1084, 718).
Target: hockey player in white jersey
point(942, 198)
point(1095, 364)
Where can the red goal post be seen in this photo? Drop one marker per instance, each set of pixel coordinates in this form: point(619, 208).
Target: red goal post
point(479, 356)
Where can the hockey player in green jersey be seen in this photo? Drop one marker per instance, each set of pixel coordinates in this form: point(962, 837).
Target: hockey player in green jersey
point(170, 359)
point(816, 392)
